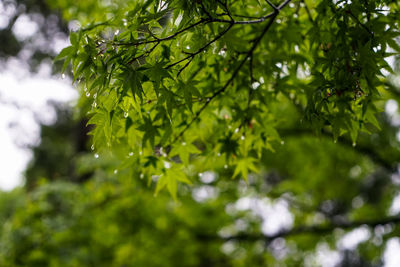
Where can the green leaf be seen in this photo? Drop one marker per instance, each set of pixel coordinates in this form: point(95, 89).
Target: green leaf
point(184, 150)
point(243, 166)
point(170, 178)
point(66, 52)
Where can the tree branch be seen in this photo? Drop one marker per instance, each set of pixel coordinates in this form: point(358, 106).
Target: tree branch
point(191, 55)
point(316, 229)
point(236, 71)
point(272, 5)
point(201, 21)
point(172, 36)
point(305, 229)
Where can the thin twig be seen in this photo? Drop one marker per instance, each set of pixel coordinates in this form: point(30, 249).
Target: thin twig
point(360, 23)
point(147, 53)
point(184, 67)
point(228, 13)
point(172, 36)
point(308, 11)
point(272, 5)
point(191, 55)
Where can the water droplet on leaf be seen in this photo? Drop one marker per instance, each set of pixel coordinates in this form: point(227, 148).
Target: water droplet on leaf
point(126, 114)
point(167, 165)
point(96, 156)
point(255, 85)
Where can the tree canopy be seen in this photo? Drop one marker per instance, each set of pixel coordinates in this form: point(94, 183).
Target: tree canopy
point(177, 84)
point(286, 97)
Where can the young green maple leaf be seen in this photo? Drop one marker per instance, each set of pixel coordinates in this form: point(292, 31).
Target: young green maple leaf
point(150, 131)
point(170, 178)
point(183, 151)
point(157, 74)
point(243, 166)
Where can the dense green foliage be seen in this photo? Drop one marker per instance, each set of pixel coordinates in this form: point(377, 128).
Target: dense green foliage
point(179, 84)
point(186, 95)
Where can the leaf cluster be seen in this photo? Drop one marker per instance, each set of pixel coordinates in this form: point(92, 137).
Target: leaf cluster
point(179, 82)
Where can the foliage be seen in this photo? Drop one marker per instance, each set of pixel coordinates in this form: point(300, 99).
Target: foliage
point(113, 219)
point(185, 96)
point(185, 82)
point(55, 158)
point(125, 225)
point(41, 27)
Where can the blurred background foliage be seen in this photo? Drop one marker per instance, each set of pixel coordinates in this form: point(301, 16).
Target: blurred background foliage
point(78, 208)
point(30, 31)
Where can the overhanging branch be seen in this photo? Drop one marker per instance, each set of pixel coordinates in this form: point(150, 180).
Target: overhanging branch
point(308, 229)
